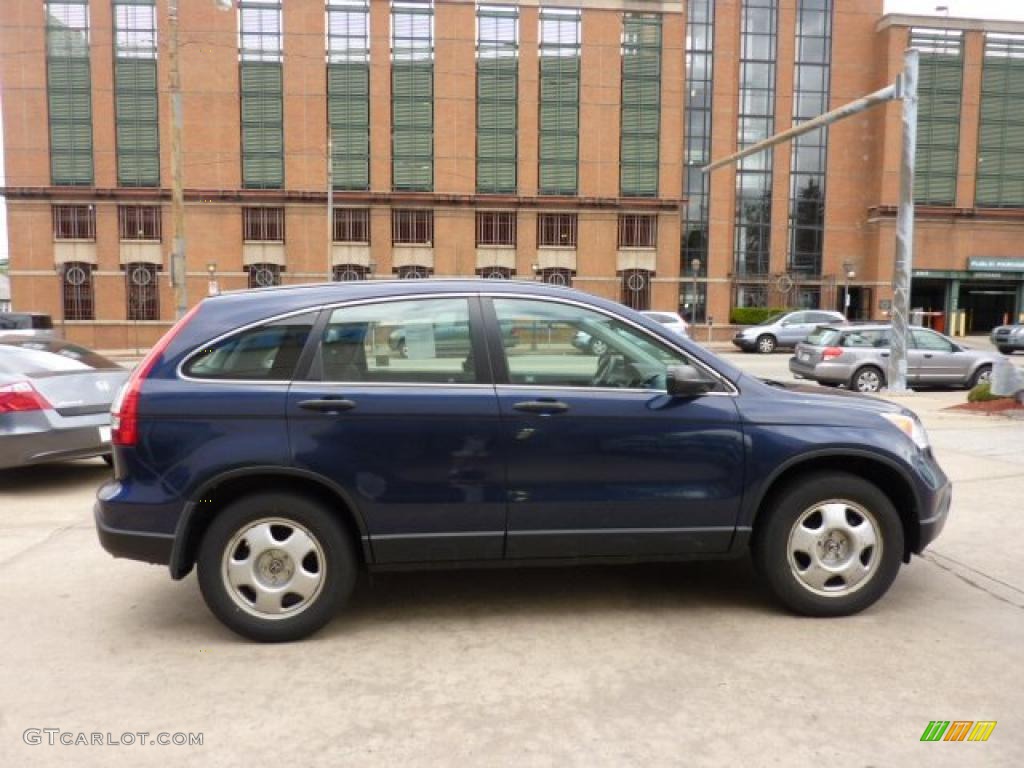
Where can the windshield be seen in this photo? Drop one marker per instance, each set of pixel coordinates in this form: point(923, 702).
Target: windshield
point(772, 319)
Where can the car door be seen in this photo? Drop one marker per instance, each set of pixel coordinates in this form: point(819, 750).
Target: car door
point(410, 430)
point(601, 461)
point(936, 359)
point(794, 329)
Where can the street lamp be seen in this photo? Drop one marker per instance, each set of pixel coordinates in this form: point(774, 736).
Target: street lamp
point(695, 266)
point(212, 288)
point(848, 275)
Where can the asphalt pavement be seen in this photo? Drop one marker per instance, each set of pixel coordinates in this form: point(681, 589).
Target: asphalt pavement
point(650, 665)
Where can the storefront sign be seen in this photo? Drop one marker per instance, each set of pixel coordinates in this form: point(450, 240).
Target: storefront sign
point(1006, 264)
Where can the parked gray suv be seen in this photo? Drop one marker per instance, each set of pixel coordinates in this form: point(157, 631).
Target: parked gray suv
point(858, 356)
point(1009, 338)
point(785, 329)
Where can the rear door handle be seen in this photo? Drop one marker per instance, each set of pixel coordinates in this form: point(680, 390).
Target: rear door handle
point(328, 405)
point(884, 354)
point(543, 407)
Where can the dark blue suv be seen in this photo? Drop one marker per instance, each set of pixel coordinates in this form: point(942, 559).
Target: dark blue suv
point(281, 441)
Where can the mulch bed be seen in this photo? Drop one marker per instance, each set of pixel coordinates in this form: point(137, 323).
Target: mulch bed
point(1001, 406)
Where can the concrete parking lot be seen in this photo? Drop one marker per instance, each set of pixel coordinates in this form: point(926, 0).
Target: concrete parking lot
point(651, 665)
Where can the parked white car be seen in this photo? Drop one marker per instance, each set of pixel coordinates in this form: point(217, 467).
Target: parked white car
point(671, 320)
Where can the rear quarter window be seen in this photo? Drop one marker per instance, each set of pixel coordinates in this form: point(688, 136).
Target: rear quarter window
point(268, 352)
point(822, 337)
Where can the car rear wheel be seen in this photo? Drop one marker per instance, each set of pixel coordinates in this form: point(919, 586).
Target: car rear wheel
point(868, 379)
point(984, 373)
point(831, 545)
point(276, 567)
point(766, 344)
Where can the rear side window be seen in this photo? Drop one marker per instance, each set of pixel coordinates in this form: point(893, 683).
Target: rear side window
point(879, 339)
point(822, 337)
point(267, 352)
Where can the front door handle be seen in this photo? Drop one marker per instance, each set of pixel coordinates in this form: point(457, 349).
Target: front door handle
point(543, 407)
point(328, 405)
point(929, 355)
point(884, 354)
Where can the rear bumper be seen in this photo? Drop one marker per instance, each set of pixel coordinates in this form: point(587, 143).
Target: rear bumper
point(133, 545)
point(39, 446)
point(828, 372)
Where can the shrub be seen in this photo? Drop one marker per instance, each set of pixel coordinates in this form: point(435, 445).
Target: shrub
point(983, 393)
point(753, 315)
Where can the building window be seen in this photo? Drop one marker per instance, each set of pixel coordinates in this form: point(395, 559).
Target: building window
point(808, 160)
point(495, 273)
point(700, 36)
point(348, 91)
point(497, 96)
point(641, 104)
point(496, 228)
point(260, 52)
point(756, 122)
point(413, 273)
point(143, 291)
point(556, 230)
point(556, 276)
point(69, 92)
point(559, 100)
point(77, 290)
point(139, 222)
point(346, 273)
point(352, 225)
point(938, 117)
point(263, 225)
point(74, 222)
point(136, 111)
point(755, 295)
point(264, 275)
point(412, 95)
point(412, 227)
point(638, 231)
point(636, 288)
point(1001, 136)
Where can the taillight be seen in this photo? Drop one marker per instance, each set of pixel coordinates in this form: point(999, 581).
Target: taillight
point(124, 414)
point(831, 353)
point(21, 396)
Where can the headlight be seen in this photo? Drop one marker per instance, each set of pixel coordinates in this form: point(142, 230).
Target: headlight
point(1018, 331)
point(910, 426)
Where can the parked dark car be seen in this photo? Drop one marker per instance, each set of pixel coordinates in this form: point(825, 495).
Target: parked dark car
point(55, 401)
point(1009, 338)
point(284, 472)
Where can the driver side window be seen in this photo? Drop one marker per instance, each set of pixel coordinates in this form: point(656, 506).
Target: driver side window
point(562, 345)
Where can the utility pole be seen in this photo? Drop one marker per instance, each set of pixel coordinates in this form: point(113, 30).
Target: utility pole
point(177, 171)
point(330, 200)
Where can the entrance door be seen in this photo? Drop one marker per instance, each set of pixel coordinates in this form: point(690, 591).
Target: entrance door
point(987, 304)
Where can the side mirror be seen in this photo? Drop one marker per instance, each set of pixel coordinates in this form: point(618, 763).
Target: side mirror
point(686, 381)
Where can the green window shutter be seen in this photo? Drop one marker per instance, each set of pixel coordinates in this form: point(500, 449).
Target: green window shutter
point(348, 88)
point(1000, 177)
point(641, 105)
point(497, 115)
point(262, 125)
point(69, 94)
point(559, 124)
point(412, 124)
point(938, 126)
point(136, 111)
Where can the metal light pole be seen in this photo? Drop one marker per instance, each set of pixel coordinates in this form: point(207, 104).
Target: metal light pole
point(847, 274)
point(695, 266)
point(330, 200)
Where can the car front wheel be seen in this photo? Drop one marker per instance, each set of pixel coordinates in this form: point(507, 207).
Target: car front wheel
point(831, 545)
point(1006, 350)
point(276, 567)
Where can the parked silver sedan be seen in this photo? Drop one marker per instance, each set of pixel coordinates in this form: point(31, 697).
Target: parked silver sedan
point(858, 356)
point(54, 401)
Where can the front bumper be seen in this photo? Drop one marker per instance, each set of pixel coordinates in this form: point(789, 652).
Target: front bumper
point(747, 345)
point(934, 515)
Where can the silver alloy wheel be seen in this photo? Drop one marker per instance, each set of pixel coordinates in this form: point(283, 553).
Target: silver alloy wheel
point(598, 347)
point(985, 374)
point(766, 345)
point(868, 380)
point(835, 548)
point(273, 568)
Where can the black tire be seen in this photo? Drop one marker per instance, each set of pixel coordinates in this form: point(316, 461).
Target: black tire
point(337, 569)
point(1005, 350)
point(984, 373)
point(766, 344)
point(868, 379)
point(832, 384)
point(779, 566)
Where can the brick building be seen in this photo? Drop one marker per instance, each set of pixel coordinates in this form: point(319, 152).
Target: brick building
point(557, 140)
